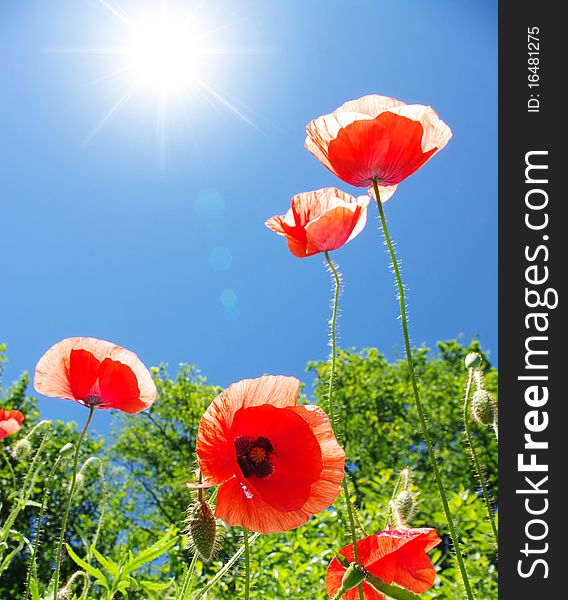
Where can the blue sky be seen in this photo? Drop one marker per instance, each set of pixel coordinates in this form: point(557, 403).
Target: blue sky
point(152, 236)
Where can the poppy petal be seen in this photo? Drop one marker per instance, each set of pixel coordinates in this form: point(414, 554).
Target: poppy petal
point(275, 390)
point(276, 464)
point(239, 505)
point(71, 369)
point(119, 387)
point(385, 192)
point(297, 458)
point(332, 229)
point(376, 137)
point(325, 490)
point(400, 557)
point(388, 147)
point(51, 376)
point(321, 131)
point(10, 422)
point(436, 134)
point(372, 105)
point(362, 203)
point(395, 555)
point(11, 414)
point(334, 578)
point(308, 206)
point(215, 444)
point(83, 372)
point(215, 447)
point(194, 485)
point(295, 236)
point(321, 220)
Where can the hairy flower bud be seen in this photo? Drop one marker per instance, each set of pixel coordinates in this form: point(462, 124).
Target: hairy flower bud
point(473, 361)
point(79, 482)
point(403, 507)
point(66, 593)
point(67, 449)
point(353, 576)
point(483, 408)
point(22, 449)
point(201, 526)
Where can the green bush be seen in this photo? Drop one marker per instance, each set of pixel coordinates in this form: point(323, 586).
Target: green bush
point(148, 458)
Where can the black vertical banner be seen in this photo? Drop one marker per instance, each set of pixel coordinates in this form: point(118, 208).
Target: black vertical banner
point(533, 265)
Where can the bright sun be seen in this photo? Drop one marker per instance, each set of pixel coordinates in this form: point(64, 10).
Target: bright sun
point(166, 59)
point(163, 55)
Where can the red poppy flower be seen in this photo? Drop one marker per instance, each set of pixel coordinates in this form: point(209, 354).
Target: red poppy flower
point(395, 555)
point(95, 373)
point(276, 463)
point(376, 137)
point(10, 422)
point(320, 221)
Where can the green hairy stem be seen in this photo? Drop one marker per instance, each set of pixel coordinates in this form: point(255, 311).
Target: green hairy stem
point(418, 401)
point(332, 416)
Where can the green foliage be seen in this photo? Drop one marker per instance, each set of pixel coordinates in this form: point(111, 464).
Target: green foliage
point(22, 487)
point(154, 455)
point(150, 456)
point(117, 577)
point(382, 432)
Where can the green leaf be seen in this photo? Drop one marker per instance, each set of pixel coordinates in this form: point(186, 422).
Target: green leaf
point(391, 591)
point(8, 558)
point(342, 560)
point(34, 591)
point(98, 575)
point(151, 553)
point(108, 564)
point(154, 586)
point(214, 580)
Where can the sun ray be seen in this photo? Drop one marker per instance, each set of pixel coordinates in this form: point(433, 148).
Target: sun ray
point(116, 11)
point(114, 108)
point(226, 103)
point(161, 130)
point(167, 57)
point(89, 51)
point(106, 77)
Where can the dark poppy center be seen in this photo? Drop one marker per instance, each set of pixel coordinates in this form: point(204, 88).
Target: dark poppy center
point(253, 456)
point(92, 400)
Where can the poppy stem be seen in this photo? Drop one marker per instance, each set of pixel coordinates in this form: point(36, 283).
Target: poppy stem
point(9, 463)
point(247, 563)
point(333, 322)
point(32, 565)
point(353, 529)
point(184, 590)
point(474, 456)
point(69, 499)
point(226, 567)
point(188, 575)
point(332, 417)
point(418, 401)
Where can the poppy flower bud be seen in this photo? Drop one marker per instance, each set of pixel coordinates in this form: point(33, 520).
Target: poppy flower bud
point(67, 449)
point(353, 576)
point(201, 526)
point(483, 408)
point(22, 449)
point(79, 482)
point(66, 593)
point(403, 506)
point(473, 361)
